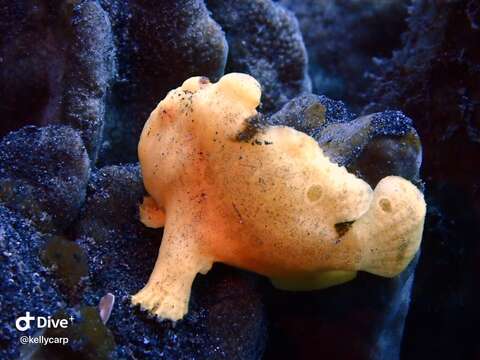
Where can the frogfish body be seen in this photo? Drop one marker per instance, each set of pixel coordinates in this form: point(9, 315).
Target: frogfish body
point(262, 199)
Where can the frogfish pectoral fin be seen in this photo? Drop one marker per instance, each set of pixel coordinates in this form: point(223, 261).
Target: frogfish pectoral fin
point(151, 215)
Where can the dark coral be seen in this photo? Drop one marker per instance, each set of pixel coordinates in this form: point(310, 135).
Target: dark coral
point(43, 174)
point(56, 63)
point(111, 208)
point(101, 71)
point(227, 319)
point(32, 63)
point(372, 146)
point(309, 112)
point(375, 146)
point(444, 312)
point(159, 45)
point(102, 66)
point(24, 282)
point(344, 38)
point(88, 73)
point(435, 79)
point(363, 319)
point(264, 41)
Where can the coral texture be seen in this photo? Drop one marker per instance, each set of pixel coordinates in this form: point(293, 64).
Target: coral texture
point(24, 284)
point(159, 44)
point(371, 146)
point(264, 41)
point(57, 60)
point(233, 193)
point(434, 77)
point(344, 39)
point(43, 174)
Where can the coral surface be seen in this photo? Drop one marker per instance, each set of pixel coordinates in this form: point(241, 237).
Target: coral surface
point(57, 62)
point(264, 41)
point(23, 279)
point(158, 45)
point(345, 39)
point(48, 188)
point(434, 78)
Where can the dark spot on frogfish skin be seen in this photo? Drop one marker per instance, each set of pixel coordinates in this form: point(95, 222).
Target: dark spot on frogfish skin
point(343, 227)
point(253, 125)
point(402, 251)
point(204, 80)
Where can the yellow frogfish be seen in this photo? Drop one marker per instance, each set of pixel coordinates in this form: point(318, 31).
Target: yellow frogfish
point(263, 199)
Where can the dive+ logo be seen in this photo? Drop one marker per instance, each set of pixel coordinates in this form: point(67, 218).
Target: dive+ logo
point(23, 323)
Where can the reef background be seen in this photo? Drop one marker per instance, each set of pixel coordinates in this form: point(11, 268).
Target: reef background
point(78, 79)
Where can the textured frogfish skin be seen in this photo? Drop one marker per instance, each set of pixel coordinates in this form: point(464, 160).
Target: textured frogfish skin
point(265, 199)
